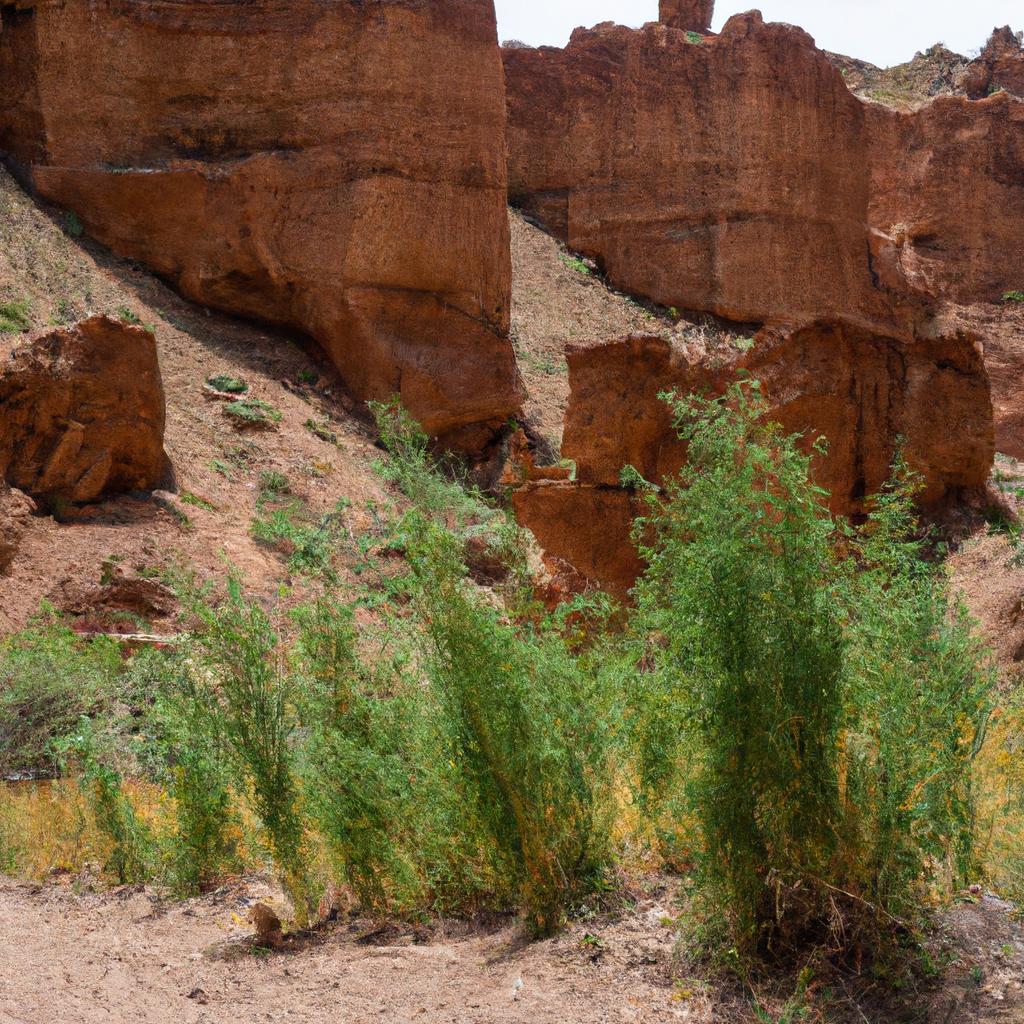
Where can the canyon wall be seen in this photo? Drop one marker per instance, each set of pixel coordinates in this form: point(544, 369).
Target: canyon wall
point(337, 168)
point(737, 175)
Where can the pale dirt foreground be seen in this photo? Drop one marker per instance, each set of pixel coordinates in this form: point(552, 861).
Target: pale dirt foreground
point(124, 956)
point(121, 956)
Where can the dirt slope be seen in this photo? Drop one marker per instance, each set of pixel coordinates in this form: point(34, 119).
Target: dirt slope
point(63, 280)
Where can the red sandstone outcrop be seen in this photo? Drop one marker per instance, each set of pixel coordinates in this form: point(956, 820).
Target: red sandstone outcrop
point(999, 68)
point(729, 176)
point(82, 412)
point(338, 168)
point(689, 15)
point(861, 390)
point(1002, 328)
point(740, 176)
point(947, 198)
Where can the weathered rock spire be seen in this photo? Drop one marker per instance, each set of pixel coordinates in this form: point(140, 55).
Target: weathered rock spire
point(691, 15)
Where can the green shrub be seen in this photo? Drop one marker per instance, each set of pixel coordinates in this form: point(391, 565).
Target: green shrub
point(15, 316)
point(134, 852)
point(188, 498)
point(574, 263)
point(356, 777)
point(825, 700)
point(309, 544)
point(49, 679)
point(427, 481)
point(695, 38)
point(739, 587)
point(274, 484)
point(249, 696)
point(227, 384)
point(1014, 296)
point(253, 412)
point(321, 430)
point(72, 225)
point(527, 735)
point(192, 761)
point(919, 697)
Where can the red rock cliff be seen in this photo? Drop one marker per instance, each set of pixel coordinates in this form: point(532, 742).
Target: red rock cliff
point(729, 176)
point(338, 168)
point(740, 176)
point(861, 390)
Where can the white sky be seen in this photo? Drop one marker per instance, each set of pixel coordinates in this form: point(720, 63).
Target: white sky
point(884, 32)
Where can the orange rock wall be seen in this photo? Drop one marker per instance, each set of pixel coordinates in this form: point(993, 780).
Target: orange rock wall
point(729, 176)
point(862, 391)
point(740, 176)
point(338, 168)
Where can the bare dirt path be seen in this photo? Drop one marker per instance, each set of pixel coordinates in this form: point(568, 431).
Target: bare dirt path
point(123, 956)
point(67, 959)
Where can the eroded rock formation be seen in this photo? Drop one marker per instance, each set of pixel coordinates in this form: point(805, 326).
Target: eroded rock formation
point(740, 176)
point(689, 15)
point(15, 510)
point(338, 168)
point(861, 390)
point(695, 173)
point(82, 412)
point(947, 198)
point(999, 68)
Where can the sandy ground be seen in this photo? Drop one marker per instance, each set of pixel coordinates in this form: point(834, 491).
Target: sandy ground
point(123, 956)
point(67, 959)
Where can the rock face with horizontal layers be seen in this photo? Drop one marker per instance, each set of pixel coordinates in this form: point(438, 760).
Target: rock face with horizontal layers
point(738, 175)
point(337, 168)
point(947, 198)
point(862, 391)
point(729, 175)
point(82, 412)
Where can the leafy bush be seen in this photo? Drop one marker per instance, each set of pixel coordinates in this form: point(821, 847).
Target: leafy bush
point(49, 679)
point(273, 484)
point(72, 225)
point(227, 384)
point(739, 587)
point(309, 544)
point(575, 263)
point(191, 760)
point(357, 769)
point(253, 412)
point(919, 697)
point(133, 851)
point(250, 697)
point(1014, 296)
point(827, 703)
point(527, 734)
point(321, 430)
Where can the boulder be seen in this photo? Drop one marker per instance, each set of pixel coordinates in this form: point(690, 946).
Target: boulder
point(15, 511)
point(864, 392)
point(689, 15)
point(83, 412)
point(336, 168)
